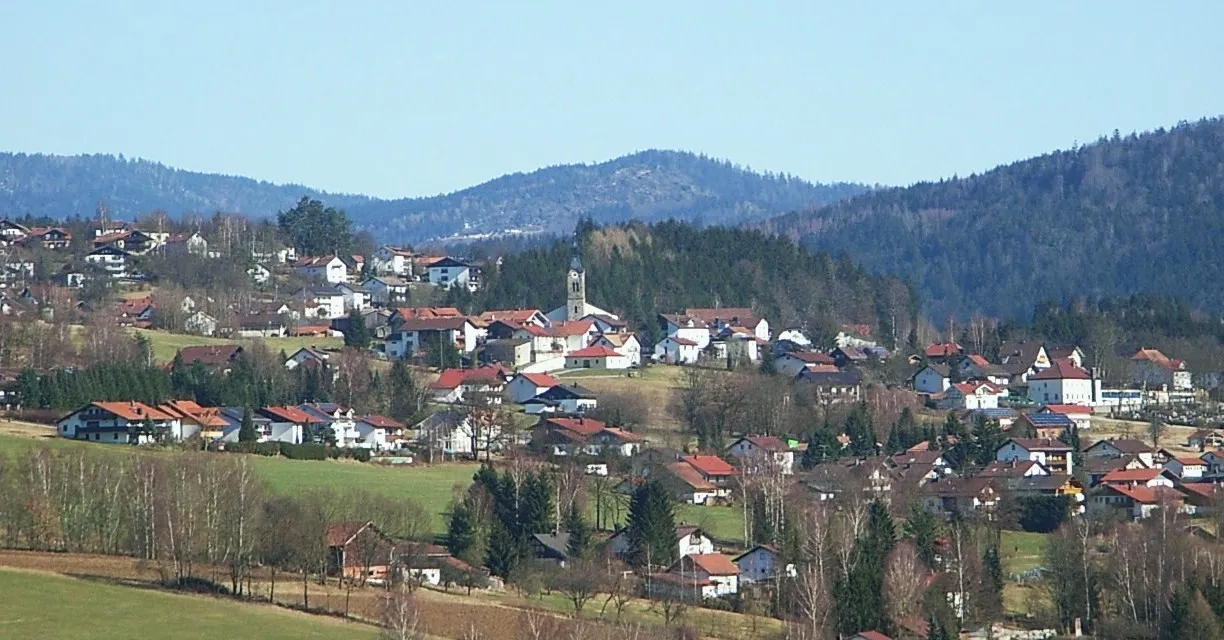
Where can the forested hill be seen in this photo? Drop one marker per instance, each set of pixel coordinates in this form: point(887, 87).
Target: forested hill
point(648, 186)
point(1142, 213)
point(638, 271)
point(57, 187)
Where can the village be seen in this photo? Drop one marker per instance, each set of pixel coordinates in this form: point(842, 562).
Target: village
point(978, 439)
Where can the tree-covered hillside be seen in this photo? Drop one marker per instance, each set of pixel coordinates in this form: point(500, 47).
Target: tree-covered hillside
point(638, 271)
point(1142, 213)
point(58, 187)
point(648, 186)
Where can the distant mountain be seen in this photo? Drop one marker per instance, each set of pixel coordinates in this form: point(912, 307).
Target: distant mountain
point(651, 185)
point(648, 186)
point(1142, 213)
point(64, 186)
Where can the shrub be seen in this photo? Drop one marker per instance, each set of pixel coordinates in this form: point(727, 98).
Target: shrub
point(303, 451)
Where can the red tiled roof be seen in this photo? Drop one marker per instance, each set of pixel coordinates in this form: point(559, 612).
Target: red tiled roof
point(1191, 461)
point(518, 316)
point(597, 351)
point(715, 564)
point(970, 388)
point(622, 435)
point(684, 342)
point(540, 379)
point(1131, 475)
point(1062, 370)
point(812, 357)
point(1205, 489)
point(689, 475)
point(433, 324)
point(428, 312)
point(871, 635)
point(1144, 495)
point(768, 443)
point(710, 465)
point(340, 533)
point(132, 410)
point(582, 426)
point(575, 328)
point(943, 350)
point(290, 414)
point(978, 360)
point(452, 378)
point(1041, 444)
point(535, 330)
point(382, 421)
point(310, 330)
point(1156, 357)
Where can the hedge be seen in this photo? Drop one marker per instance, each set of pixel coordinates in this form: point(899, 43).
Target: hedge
point(303, 451)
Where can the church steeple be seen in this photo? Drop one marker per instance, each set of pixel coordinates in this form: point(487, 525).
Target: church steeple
point(575, 289)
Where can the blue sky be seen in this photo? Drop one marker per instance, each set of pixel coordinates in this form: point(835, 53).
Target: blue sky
point(401, 98)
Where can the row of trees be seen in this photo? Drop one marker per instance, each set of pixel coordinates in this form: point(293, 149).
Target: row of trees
point(194, 514)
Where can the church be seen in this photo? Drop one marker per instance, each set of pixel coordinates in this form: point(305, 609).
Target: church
point(576, 306)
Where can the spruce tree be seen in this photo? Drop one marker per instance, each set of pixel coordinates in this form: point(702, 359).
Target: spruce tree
point(990, 602)
point(823, 445)
point(356, 334)
point(922, 529)
point(246, 432)
point(652, 526)
point(580, 542)
point(859, 593)
point(859, 430)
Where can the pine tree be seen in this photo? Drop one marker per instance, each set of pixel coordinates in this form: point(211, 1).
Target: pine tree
point(356, 334)
point(922, 529)
point(535, 512)
point(652, 526)
point(987, 438)
point(503, 553)
point(580, 542)
point(990, 600)
point(463, 531)
point(859, 593)
point(823, 445)
point(246, 432)
point(859, 430)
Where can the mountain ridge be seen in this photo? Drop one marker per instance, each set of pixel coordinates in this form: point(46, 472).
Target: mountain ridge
point(647, 185)
point(1123, 215)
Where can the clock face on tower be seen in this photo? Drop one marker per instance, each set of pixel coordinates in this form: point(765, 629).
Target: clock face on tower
point(573, 275)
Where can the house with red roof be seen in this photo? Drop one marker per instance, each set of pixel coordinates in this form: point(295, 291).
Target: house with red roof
point(723, 317)
point(975, 394)
point(193, 419)
point(526, 386)
point(1157, 477)
point(571, 335)
point(1186, 468)
point(409, 336)
point(686, 328)
point(1054, 455)
point(212, 356)
point(118, 423)
point(1079, 414)
point(515, 316)
point(1064, 383)
point(943, 352)
point(564, 436)
point(1150, 368)
point(677, 349)
point(358, 551)
point(453, 385)
point(766, 451)
point(330, 269)
point(596, 357)
point(697, 577)
point(1134, 502)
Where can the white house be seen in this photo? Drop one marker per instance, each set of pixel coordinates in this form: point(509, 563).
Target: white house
point(328, 301)
point(1064, 383)
point(451, 433)
point(685, 328)
point(678, 350)
point(625, 344)
point(1151, 478)
point(329, 269)
point(596, 357)
point(116, 423)
point(769, 451)
point(1187, 467)
point(723, 317)
point(393, 261)
point(448, 272)
point(1054, 455)
point(760, 563)
point(386, 290)
point(200, 324)
point(414, 333)
point(973, 395)
point(259, 274)
point(790, 364)
point(456, 385)
point(565, 398)
point(690, 540)
point(355, 296)
point(1151, 368)
point(932, 378)
point(718, 572)
point(1120, 447)
point(112, 260)
point(526, 386)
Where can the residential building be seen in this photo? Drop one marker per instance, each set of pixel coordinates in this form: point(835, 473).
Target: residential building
point(961, 496)
point(356, 297)
point(690, 540)
point(451, 433)
point(262, 325)
point(1140, 478)
point(1064, 383)
point(322, 301)
point(186, 244)
point(943, 352)
point(677, 350)
point(1122, 447)
point(761, 564)
point(386, 291)
point(1134, 502)
point(732, 317)
point(973, 395)
point(329, 269)
point(309, 356)
point(765, 452)
point(220, 356)
point(1047, 425)
point(1187, 467)
point(790, 364)
point(1077, 413)
point(837, 387)
point(596, 357)
point(413, 334)
point(464, 385)
point(449, 272)
point(933, 378)
point(1052, 454)
point(563, 398)
point(526, 386)
point(110, 260)
point(200, 324)
point(359, 551)
point(1149, 368)
point(625, 344)
point(700, 576)
point(117, 423)
point(1204, 439)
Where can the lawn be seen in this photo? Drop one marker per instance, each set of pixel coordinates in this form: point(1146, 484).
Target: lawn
point(1022, 551)
point(40, 605)
point(165, 345)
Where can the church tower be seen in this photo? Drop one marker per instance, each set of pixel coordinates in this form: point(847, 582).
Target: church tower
point(575, 290)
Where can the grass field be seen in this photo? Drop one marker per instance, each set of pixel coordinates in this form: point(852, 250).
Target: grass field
point(42, 605)
point(165, 345)
point(1022, 551)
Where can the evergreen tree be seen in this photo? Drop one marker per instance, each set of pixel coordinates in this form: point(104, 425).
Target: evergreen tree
point(29, 389)
point(535, 512)
point(990, 600)
point(987, 438)
point(404, 392)
point(859, 430)
point(823, 445)
point(580, 541)
point(246, 432)
point(936, 629)
point(652, 526)
point(859, 592)
point(1190, 617)
point(922, 529)
point(356, 333)
point(768, 366)
point(463, 530)
point(503, 553)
